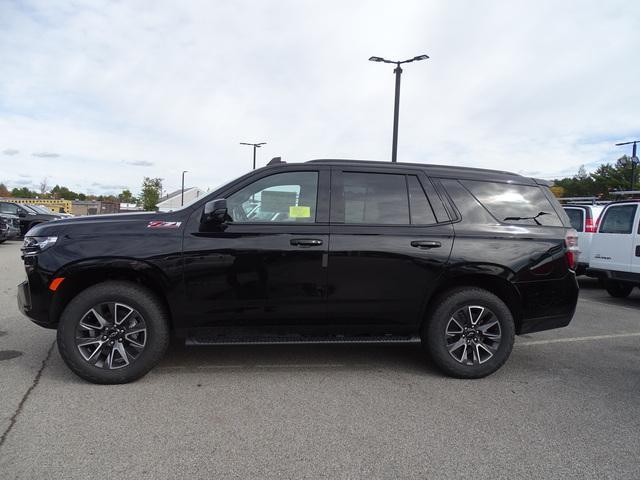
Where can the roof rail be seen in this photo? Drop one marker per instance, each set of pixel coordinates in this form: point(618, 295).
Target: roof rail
point(275, 160)
point(587, 200)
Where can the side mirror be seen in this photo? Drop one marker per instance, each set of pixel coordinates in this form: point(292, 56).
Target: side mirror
point(215, 212)
point(21, 214)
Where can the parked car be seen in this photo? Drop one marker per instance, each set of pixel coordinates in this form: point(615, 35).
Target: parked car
point(460, 259)
point(29, 217)
point(615, 249)
point(4, 230)
point(44, 209)
point(10, 226)
point(584, 220)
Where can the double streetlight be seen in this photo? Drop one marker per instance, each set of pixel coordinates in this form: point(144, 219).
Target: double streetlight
point(255, 147)
point(634, 160)
point(398, 72)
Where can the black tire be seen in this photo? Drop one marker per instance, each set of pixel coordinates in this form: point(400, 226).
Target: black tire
point(435, 337)
point(145, 303)
point(618, 289)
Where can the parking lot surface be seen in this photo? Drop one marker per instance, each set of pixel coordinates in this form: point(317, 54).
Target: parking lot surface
point(566, 405)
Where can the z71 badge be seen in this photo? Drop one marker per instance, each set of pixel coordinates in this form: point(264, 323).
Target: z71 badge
point(160, 224)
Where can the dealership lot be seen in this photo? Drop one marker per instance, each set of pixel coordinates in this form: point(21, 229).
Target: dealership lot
point(566, 405)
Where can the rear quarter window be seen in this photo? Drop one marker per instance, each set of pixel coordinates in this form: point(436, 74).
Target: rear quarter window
point(576, 217)
point(515, 204)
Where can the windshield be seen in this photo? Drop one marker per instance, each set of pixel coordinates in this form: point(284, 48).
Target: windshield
point(41, 209)
point(29, 208)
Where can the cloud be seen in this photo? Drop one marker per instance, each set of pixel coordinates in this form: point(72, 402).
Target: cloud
point(140, 163)
point(521, 86)
point(107, 186)
point(10, 151)
point(23, 183)
point(45, 155)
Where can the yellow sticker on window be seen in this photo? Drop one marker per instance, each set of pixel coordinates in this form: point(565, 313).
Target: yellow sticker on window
point(299, 212)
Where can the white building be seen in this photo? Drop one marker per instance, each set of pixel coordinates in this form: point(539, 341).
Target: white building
point(173, 201)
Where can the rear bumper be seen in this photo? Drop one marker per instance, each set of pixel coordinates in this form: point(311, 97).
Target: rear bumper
point(547, 304)
point(629, 277)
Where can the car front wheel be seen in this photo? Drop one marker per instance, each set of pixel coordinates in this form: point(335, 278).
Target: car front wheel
point(113, 332)
point(470, 333)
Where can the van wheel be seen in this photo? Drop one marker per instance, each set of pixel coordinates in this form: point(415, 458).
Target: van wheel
point(470, 333)
point(618, 289)
point(113, 332)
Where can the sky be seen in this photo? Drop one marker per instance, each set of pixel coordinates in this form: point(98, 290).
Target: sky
point(97, 95)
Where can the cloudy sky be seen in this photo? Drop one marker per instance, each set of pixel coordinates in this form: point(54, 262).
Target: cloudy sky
point(96, 95)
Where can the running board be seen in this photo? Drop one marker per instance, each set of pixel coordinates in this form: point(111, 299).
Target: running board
point(297, 339)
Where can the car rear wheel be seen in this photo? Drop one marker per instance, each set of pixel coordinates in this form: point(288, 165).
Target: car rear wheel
point(618, 289)
point(470, 333)
point(113, 332)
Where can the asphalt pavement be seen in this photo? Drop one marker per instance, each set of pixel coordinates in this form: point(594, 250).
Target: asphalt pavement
point(566, 405)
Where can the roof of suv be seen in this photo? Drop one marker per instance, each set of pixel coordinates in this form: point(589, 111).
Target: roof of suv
point(437, 170)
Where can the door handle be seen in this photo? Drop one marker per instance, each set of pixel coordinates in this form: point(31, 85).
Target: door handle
point(305, 242)
point(637, 250)
point(425, 244)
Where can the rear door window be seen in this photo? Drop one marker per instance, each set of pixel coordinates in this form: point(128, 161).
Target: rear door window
point(516, 204)
point(576, 217)
point(375, 198)
point(618, 219)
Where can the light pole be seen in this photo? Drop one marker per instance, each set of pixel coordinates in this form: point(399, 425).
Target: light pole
point(255, 146)
point(182, 193)
point(396, 107)
point(634, 160)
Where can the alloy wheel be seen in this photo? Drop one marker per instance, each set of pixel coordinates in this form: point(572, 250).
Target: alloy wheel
point(111, 335)
point(473, 335)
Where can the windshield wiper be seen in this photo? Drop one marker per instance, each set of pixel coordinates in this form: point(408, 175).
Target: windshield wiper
point(535, 219)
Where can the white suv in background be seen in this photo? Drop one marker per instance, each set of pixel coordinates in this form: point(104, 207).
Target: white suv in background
point(584, 219)
point(615, 249)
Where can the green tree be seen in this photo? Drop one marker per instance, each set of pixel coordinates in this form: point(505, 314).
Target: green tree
point(126, 197)
point(605, 179)
point(23, 192)
point(151, 188)
point(63, 192)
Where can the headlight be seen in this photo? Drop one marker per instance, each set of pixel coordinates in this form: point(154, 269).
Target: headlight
point(33, 245)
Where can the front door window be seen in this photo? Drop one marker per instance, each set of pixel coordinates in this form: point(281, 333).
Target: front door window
point(280, 198)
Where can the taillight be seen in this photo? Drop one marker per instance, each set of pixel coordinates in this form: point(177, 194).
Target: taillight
point(590, 227)
point(572, 252)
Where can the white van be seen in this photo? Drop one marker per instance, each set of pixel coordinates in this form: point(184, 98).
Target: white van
point(584, 219)
point(615, 249)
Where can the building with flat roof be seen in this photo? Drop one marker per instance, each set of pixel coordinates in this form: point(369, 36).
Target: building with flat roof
point(173, 201)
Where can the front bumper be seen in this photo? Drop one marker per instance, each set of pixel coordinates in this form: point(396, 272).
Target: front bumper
point(24, 298)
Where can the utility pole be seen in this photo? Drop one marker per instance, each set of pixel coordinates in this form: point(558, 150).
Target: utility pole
point(634, 160)
point(396, 106)
point(182, 193)
point(255, 146)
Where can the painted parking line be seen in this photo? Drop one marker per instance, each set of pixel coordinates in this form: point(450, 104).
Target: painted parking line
point(606, 303)
point(268, 365)
point(579, 339)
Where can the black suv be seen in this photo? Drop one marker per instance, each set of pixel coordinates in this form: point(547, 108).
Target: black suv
point(29, 216)
point(460, 259)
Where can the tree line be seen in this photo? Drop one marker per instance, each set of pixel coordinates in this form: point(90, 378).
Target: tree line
point(600, 183)
point(148, 198)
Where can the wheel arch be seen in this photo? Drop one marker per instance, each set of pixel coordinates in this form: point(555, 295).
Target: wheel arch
point(82, 275)
point(498, 285)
